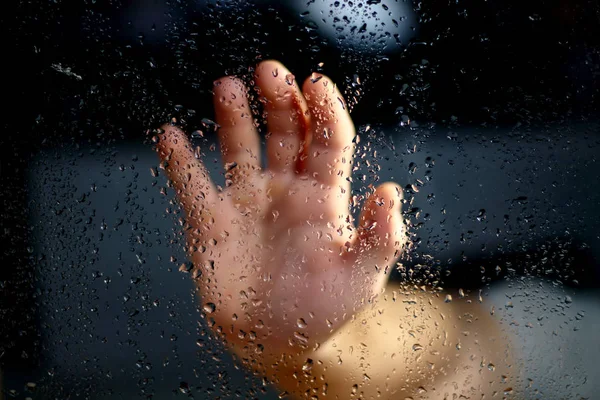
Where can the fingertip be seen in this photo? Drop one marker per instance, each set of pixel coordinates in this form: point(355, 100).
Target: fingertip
point(318, 83)
point(270, 68)
point(384, 203)
point(322, 88)
point(169, 128)
point(381, 220)
point(169, 136)
point(228, 92)
point(391, 194)
point(227, 80)
point(275, 81)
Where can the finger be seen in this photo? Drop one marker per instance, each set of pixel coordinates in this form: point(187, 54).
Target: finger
point(286, 113)
point(194, 188)
point(332, 133)
point(238, 138)
point(381, 230)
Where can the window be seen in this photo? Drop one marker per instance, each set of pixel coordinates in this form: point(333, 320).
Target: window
point(484, 113)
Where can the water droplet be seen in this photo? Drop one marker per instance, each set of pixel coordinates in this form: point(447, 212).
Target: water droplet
point(481, 216)
point(448, 298)
point(412, 168)
point(300, 338)
point(210, 124)
point(568, 299)
point(197, 134)
point(184, 388)
point(308, 364)
point(186, 267)
point(417, 347)
point(209, 308)
point(301, 323)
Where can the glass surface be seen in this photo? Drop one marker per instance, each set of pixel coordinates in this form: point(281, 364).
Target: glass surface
point(486, 114)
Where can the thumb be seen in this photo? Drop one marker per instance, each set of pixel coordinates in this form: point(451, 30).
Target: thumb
point(381, 231)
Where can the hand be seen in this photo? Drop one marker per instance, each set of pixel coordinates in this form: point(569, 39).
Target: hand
point(279, 261)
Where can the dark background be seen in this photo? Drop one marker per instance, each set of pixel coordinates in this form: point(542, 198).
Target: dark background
point(500, 84)
point(495, 62)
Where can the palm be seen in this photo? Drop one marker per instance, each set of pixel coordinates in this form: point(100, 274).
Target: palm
point(277, 253)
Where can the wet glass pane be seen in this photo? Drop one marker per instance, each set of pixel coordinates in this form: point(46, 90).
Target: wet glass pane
point(300, 199)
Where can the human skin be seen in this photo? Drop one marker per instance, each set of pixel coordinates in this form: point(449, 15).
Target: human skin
point(282, 268)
